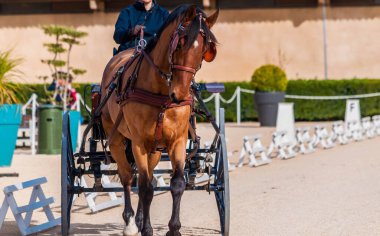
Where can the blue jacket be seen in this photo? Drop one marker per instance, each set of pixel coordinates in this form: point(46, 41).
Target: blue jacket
point(137, 15)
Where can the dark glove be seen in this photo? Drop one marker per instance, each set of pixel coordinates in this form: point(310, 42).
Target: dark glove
point(136, 30)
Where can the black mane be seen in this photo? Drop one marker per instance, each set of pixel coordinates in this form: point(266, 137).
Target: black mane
point(192, 29)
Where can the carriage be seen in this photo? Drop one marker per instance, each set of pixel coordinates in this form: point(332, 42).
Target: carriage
point(144, 112)
point(87, 162)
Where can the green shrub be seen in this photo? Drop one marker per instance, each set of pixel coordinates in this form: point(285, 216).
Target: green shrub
point(311, 110)
point(269, 78)
point(9, 92)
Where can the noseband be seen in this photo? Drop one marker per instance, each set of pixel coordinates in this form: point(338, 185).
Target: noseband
point(177, 35)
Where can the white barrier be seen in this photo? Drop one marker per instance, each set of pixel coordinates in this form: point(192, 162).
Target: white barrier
point(114, 200)
point(18, 211)
point(376, 123)
point(281, 146)
point(354, 131)
point(323, 137)
point(253, 147)
point(305, 140)
point(368, 127)
point(339, 133)
point(91, 197)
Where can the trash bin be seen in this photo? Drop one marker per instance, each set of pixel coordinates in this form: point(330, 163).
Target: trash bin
point(10, 119)
point(49, 129)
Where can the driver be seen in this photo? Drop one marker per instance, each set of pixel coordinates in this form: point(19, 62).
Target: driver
point(146, 14)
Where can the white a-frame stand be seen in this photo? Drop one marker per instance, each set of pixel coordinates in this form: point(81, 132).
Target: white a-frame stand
point(24, 223)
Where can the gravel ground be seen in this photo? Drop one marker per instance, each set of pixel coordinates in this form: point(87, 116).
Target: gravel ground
point(329, 192)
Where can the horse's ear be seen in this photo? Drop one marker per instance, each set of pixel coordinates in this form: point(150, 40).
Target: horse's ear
point(211, 20)
point(210, 54)
point(190, 14)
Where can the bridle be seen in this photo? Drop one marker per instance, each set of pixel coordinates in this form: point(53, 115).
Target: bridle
point(179, 33)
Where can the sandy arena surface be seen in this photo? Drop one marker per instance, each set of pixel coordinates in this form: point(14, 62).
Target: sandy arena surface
point(329, 192)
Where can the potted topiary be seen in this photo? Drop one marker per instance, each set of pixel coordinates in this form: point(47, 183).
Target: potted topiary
point(60, 95)
point(269, 83)
point(10, 109)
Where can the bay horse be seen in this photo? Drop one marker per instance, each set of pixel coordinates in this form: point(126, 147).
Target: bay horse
point(163, 72)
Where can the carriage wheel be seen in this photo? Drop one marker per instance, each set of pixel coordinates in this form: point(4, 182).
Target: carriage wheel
point(67, 175)
point(222, 196)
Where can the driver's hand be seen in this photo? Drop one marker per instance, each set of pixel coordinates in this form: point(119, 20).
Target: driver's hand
point(136, 30)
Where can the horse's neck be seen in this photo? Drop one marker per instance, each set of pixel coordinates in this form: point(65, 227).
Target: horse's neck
point(149, 79)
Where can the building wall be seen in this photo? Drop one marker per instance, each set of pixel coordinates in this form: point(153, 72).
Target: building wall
point(291, 38)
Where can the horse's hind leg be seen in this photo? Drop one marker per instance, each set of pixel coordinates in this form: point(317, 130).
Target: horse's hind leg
point(177, 155)
point(117, 148)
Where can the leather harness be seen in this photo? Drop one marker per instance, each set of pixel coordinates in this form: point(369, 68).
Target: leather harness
point(163, 102)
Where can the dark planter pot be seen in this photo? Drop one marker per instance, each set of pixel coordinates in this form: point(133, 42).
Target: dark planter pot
point(267, 106)
point(10, 120)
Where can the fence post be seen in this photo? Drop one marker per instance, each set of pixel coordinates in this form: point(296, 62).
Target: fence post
point(33, 133)
point(217, 106)
point(77, 105)
point(238, 105)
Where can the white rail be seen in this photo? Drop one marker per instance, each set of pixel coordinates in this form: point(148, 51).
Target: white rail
point(237, 95)
point(32, 102)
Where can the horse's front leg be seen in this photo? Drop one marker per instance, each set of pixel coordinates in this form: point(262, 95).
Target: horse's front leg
point(145, 188)
point(117, 148)
point(177, 153)
point(153, 160)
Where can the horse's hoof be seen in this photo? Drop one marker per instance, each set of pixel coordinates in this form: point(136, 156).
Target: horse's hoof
point(147, 232)
point(128, 234)
point(173, 233)
point(124, 234)
point(131, 230)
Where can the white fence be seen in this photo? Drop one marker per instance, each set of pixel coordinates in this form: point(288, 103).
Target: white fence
point(237, 95)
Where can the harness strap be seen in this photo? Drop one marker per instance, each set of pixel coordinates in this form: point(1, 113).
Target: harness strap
point(196, 142)
point(185, 68)
point(122, 69)
point(152, 99)
point(173, 46)
point(115, 126)
point(155, 67)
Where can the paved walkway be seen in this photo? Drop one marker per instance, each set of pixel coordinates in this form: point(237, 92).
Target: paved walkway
point(329, 192)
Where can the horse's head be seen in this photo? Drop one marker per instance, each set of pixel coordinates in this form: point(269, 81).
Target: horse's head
point(191, 43)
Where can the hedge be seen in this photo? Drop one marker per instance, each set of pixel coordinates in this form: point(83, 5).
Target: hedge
point(305, 110)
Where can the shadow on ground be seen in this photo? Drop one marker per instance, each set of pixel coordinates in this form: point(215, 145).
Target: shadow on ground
point(11, 229)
